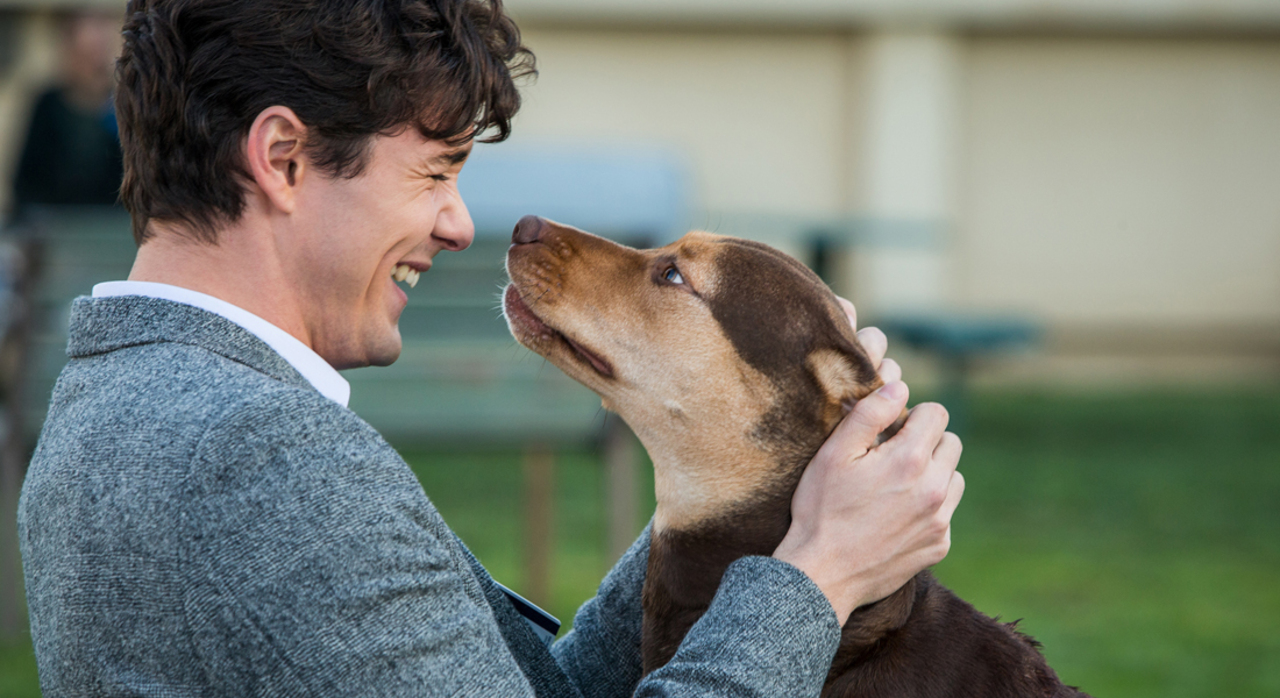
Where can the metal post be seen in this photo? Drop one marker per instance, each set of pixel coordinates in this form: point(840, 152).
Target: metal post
point(539, 488)
point(954, 393)
point(13, 456)
point(621, 489)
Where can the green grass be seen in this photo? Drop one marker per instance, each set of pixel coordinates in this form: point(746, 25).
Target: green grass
point(1137, 535)
point(18, 671)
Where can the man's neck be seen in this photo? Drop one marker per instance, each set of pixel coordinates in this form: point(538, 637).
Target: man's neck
point(243, 269)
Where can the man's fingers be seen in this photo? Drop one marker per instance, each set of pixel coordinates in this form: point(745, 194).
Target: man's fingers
point(948, 449)
point(875, 344)
point(890, 371)
point(872, 415)
point(849, 311)
point(926, 423)
point(941, 477)
point(955, 490)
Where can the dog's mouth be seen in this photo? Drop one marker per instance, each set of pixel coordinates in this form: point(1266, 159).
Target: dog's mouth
point(532, 327)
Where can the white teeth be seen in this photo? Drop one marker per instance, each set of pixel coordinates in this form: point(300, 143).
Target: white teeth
point(406, 274)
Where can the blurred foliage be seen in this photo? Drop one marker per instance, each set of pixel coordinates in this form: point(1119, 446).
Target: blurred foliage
point(1136, 535)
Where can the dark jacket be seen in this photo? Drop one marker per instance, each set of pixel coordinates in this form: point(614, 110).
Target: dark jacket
point(69, 156)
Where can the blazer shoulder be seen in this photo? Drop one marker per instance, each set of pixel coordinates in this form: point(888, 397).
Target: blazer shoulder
point(185, 403)
point(277, 416)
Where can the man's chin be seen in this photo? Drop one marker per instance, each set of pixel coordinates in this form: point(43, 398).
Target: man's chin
point(385, 359)
point(383, 353)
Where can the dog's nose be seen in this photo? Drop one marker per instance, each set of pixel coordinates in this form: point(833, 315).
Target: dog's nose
point(529, 229)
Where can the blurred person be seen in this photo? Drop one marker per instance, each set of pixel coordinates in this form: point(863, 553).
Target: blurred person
point(203, 514)
point(71, 153)
point(70, 156)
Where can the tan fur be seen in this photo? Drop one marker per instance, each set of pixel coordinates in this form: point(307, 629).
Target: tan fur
point(839, 383)
point(614, 302)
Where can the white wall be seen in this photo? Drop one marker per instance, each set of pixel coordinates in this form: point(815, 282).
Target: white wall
point(1123, 181)
point(1107, 14)
point(760, 118)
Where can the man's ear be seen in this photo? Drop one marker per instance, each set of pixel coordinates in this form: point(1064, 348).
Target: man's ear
point(274, 151)
point(841, 382)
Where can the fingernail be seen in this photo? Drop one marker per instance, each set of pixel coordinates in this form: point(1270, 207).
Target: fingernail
point(894, 391)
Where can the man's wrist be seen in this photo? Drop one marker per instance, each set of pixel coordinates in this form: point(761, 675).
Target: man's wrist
point(843, 594)
point(768, 626)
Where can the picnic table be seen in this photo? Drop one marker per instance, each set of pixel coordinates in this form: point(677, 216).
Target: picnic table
point(959, 341)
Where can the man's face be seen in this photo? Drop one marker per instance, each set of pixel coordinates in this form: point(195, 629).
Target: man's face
point(353, 233)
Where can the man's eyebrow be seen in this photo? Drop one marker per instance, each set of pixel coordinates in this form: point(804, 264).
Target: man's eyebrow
point(452, 157)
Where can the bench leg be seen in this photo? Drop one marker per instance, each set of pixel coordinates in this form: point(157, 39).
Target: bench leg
point(539, 500)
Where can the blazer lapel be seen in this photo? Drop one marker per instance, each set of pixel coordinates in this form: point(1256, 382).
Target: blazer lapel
point(534, 658)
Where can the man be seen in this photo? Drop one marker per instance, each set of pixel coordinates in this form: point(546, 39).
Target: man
point(71, 155)
point(203, 515)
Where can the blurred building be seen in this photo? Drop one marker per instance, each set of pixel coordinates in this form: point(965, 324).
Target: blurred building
point(1111, 168)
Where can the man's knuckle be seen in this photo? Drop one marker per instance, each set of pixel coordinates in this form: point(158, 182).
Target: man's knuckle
point(932, 417)
point(919, 453)
point(934, 498)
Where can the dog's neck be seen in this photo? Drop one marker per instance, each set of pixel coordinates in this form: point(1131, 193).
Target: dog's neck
point(717, 503)
point(714, 505)
point(700, 475)
point(724, 508)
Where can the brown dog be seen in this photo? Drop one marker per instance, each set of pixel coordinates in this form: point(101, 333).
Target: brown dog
point(733, 362)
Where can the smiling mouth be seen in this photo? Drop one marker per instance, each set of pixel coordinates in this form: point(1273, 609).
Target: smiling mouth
point(406, 274)
point(521, 316)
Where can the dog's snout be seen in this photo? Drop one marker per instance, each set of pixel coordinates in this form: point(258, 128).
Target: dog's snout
point(529, 229)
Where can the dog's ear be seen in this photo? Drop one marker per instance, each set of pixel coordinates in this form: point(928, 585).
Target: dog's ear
point(843, 381)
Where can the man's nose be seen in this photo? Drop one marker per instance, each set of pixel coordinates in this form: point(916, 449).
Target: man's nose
point(454, 226)
point(529, 229)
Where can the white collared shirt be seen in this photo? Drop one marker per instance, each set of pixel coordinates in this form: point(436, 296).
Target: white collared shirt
point(316, 370)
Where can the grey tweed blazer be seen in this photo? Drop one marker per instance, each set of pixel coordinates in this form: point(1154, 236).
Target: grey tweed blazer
point(199, 521)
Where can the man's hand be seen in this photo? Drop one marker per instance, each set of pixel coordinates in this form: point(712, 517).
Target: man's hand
point(867, 518)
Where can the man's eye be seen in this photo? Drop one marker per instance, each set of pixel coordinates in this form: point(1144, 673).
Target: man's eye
point(673, 275)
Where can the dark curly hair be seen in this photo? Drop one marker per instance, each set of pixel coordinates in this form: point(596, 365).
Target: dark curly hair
point(195, 74)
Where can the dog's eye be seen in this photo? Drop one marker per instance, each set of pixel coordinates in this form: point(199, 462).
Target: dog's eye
point(673, 275)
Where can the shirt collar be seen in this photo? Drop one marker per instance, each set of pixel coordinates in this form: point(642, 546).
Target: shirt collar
point(326, 380)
